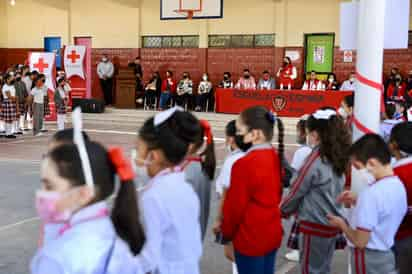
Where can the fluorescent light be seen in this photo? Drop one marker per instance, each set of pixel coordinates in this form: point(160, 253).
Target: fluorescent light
point(13, 2)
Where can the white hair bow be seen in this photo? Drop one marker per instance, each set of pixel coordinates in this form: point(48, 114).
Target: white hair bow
point(163, 116)
point(79, 141)
point(324, 114)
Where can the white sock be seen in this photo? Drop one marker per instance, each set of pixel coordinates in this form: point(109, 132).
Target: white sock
point(9, 128)
point(2, 125)
point(21, 122)
point(16, 126)
point(60, 121)
point(44, 125)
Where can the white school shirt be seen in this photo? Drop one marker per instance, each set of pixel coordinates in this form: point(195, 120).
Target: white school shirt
point(10, 89)
point(380, 209)
point(86, 247)
point(386, 128)
point(28, 82)
point(347, 86)
point(171, 214)
point(223, 180)
point(38, 95)
point(300, 156)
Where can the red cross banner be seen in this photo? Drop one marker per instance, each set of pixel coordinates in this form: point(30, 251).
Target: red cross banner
point(73, 61)
point(44, 63)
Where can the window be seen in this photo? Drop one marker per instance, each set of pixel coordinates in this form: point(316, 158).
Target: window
point(242, 41)
point(189, 41)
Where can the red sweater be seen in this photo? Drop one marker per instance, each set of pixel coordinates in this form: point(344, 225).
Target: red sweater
point(401, 90)
point(403, 169)
point(173, 87)
point(251, 214)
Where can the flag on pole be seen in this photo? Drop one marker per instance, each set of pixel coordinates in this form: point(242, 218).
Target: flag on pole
point(73, 61)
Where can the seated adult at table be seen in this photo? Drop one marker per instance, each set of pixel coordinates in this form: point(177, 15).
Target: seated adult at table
point(396, 90)
point(287, 74)
point(168, 90)
point(227, 81)
point(266, 82)
point(331, 82)
point(246, 81)
point(313, 83)
point(350, 84)
point(153, 89)
point(184, 90)
point(203, 93)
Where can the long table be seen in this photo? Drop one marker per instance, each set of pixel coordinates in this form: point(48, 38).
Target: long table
point(293, 103)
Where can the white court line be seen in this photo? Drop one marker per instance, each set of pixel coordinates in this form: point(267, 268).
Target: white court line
point(216, 139)
point(286, 268)
point(25, 221)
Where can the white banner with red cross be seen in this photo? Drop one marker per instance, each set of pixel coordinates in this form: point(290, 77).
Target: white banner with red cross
point(45, 63)
point(73, 61)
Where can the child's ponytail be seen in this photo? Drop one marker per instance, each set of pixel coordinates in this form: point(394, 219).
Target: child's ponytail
point(208, 155)
point(125, 213)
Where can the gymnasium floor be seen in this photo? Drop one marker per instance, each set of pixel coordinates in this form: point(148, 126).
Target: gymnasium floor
point(19, 169)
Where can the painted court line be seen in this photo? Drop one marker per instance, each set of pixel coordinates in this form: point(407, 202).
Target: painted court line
point(286, 268)
point(25, 221)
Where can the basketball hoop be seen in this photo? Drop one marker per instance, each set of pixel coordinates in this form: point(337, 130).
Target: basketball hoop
point(189, 13)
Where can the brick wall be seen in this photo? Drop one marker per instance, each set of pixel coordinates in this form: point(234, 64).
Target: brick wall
point(215, 61)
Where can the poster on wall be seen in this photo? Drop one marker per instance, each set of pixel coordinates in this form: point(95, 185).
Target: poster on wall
point(319, 52)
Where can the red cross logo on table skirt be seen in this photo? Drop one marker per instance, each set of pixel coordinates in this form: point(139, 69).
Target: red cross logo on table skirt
point(73, 56)
point(41, 65)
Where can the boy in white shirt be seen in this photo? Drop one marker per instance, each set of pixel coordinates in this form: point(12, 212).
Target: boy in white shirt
point(38, 105)
point(378, 211)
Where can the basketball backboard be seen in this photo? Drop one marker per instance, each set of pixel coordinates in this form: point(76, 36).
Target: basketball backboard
point(182, 9)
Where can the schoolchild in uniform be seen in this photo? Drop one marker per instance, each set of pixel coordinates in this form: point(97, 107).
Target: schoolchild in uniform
point(2, 123)
point(21, 94)
point(378, 210)
point(400, 145)
point(389, 121)
point(315, 189)
point(37, 93)
point(91, 239)
point(9, 107)
point(60, 100)
point(234, 145)
point(199, 168)
point(299, 158)
point(346, 111)
point(251, 215)
point(45, 102)
point(169, 204)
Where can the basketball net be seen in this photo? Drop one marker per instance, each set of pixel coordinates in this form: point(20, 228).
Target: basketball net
point(189, 13)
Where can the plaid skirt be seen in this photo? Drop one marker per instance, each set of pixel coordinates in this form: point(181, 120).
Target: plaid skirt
point(46, 106)
point(61, 109)
point(293, 240)
point(8, 111)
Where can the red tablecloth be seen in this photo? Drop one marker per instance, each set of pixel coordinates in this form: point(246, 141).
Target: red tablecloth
point(293, 103)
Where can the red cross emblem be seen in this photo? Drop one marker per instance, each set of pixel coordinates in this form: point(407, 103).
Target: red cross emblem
point(41, 65)
point(348, 54)
point(73, 56)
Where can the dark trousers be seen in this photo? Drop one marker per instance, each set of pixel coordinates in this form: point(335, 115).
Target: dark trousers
point(182, 100)
point(107, 88)
point(150, 96)
point(256, 265)
point(201, 100)
point(403, 252)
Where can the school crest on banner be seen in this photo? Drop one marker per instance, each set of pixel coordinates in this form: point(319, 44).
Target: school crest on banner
point(279, 102)
point(44, 63)
point(73, 61)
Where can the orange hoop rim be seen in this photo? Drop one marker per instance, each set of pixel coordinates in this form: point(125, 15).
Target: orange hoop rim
point(189, 13)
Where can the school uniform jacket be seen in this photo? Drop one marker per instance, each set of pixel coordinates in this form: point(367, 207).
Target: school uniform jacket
point(313, 196)
point(87, 247)
point(170, 210)
point(251, 215)
point(403, 169)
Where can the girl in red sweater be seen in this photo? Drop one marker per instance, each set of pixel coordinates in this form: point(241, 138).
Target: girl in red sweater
point(251, 214)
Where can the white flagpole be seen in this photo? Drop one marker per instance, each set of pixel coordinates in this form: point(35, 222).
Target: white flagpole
point(371, 31)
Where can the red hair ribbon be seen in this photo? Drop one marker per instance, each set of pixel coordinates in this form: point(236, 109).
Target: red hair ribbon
point(207, 131)
point(123, 166)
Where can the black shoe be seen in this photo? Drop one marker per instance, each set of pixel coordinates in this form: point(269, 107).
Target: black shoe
point(19, 133)
point(44, 130)
point(11, 136)
point(26, 129)
point(2, 132)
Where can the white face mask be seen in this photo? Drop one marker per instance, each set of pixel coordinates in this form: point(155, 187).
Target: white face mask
point(365, 176)
point(343, 113)
point(142, 174)
point(204, 78)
